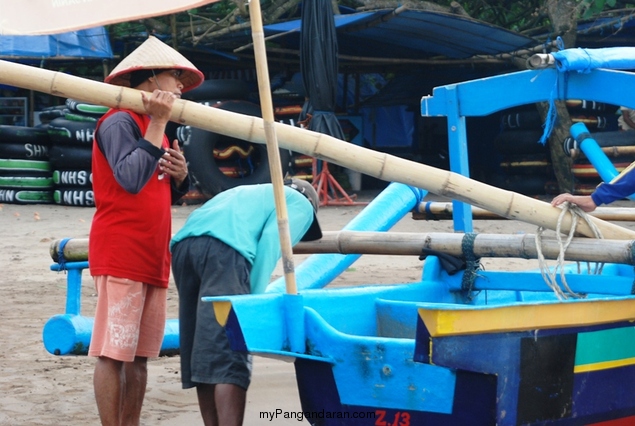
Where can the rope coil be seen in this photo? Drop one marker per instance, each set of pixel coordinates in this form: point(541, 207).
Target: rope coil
point(550, 276)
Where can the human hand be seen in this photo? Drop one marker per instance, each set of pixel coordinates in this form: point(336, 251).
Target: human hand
point(174, 164)
point(159, 104)
point(585, 202)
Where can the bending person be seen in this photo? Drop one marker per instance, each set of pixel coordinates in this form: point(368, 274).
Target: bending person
point(230, 245)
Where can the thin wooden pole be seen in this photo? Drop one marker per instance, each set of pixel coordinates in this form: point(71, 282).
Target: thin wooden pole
point(273, 153)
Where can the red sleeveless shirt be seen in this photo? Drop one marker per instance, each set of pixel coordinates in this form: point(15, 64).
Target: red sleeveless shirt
point(130, 233)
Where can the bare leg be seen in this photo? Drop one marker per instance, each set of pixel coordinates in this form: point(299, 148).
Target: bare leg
point(108, 383)
point(134, 390)
point(221, 405)
point(206, 403)
point(230, 403)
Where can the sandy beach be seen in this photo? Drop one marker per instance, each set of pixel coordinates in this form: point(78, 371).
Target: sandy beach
point(38, 388)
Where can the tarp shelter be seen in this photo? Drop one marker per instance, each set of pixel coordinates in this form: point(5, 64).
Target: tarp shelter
point(92, 43)
point(410, 34)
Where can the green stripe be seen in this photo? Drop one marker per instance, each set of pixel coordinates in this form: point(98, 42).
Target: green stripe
point(91, 109)
point(79, 117)
point(605, 346)
point(34, 196)
point(26, 182)
point(32, 165)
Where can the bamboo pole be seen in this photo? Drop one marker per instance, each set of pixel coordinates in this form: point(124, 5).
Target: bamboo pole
point(610, 151)
point(521, 246)
point(436, 210)
point(373, 163)
point(485, 245)
point(273, 153)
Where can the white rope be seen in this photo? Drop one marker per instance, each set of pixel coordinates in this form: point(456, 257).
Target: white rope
point(549, 275)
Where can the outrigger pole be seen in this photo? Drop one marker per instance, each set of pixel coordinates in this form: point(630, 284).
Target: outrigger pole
point(266, 105)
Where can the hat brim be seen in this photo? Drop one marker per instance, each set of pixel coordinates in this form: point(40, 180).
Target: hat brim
point(154, 54)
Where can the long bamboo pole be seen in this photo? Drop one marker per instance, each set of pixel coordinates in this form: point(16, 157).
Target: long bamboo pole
point(373, 163)
point(521, 246)
point(485, 245)
point(266, 106)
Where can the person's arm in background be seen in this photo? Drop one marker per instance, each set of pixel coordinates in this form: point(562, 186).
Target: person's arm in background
point(627, 115)
point(605, 193)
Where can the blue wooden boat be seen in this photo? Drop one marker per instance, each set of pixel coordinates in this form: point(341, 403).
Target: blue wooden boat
point(467, 347)
point(505, 351)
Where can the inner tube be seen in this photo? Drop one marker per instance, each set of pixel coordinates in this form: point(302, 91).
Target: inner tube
point(20, 166)
point(71, 157)
point(20, 196)
point(215, 175)
point(24, 151)
point(79, 178)
point(23, 182)
point(22, 134)
point(520, 142)
point(70, 132)
point(85, 108)
point(74, 196)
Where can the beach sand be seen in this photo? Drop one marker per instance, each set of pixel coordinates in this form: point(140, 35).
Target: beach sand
point(37, 388)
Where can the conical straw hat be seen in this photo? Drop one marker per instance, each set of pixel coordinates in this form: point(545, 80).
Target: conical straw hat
point(154, 54)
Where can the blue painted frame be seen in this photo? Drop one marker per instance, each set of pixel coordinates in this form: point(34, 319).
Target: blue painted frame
point(488, 95)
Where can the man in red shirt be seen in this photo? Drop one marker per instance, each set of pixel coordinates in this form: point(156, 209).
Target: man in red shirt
point(136, 177)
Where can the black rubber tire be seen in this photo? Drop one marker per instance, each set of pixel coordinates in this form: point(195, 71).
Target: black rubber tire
point(521, 120)
point(51, 113)
point(21, 196)
point(527, 164)
point(80, 117)
point(74, 196)
point(86, 108)
point(24, 151)
point(522, 184)
point(520, 142)
point(12, 167)
point(577, 105)
point(76, 178)
point(615, 138)
point(26, 182)
point(199, 151)
point(21, 134)
point(71, 157)
point(70, 132)
point(219, 90)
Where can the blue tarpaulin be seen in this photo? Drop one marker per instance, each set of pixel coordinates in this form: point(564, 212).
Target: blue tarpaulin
point(584, 60)
point(92, 43)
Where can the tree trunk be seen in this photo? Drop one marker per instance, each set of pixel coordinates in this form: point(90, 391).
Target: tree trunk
point(559, 161)
point(563, 16)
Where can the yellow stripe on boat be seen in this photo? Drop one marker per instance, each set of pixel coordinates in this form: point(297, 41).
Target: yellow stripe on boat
point(221, 310)
point(606, 365)
point(498, 319)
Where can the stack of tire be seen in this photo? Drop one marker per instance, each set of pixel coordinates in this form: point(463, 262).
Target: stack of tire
point(25, 171)
point(525, 163)
point(71, 135)
point(218, 162)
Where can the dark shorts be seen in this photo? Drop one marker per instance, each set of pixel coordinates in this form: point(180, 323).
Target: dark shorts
point(205, 266)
